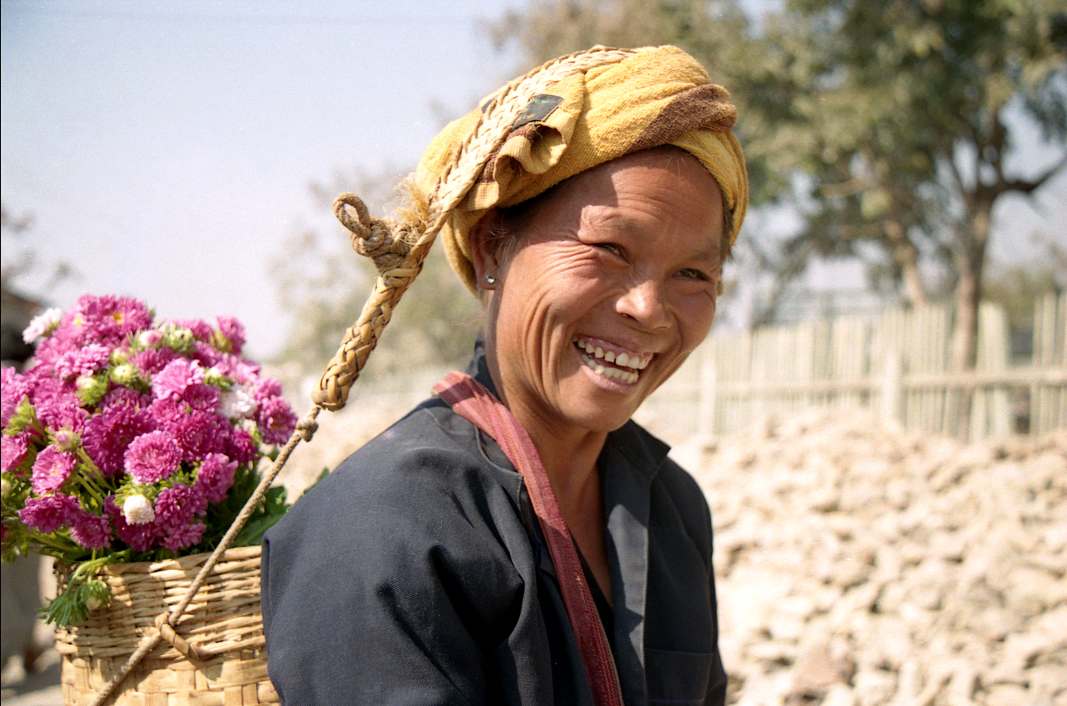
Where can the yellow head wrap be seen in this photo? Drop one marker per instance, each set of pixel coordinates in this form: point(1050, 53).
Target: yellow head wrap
point(654, 96)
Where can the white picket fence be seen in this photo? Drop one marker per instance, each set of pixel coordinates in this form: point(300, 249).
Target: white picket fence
point(896, 363)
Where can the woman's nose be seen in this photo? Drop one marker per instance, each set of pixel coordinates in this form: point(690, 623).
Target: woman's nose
point(644, 302)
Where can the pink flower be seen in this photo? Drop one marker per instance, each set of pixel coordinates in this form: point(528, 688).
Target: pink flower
point(167, 412)
point(153, 456)
point(82, 361)
point(176, 510)
point(127, 397)
point(265, 388)
point(198, 434)
point(152, 360)
point(13, 389)
point(232, 331)
point(13, 449)
point(215, 477)
point(206, 354)
point(276, 420)
point(202, 396)
point(184, 536)
point(241, 447)
point(48, 513)
point(108, 435)
point(106, 319)
point(51, 469)
point(90, 530)
point(178, 375)
point(56, 404)
point(140, 537)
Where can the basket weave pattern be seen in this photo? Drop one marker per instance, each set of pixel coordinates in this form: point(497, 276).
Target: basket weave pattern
point(223, 621)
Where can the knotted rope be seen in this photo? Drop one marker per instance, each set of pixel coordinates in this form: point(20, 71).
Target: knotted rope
point(398, 249)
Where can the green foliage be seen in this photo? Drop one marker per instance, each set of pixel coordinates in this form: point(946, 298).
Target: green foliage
point(81, 595)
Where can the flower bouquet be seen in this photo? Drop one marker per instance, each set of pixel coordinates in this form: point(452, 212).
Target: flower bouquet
point(128, 440)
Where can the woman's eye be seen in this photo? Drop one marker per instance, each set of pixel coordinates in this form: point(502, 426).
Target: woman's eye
point(610, 247)
point(693, 274)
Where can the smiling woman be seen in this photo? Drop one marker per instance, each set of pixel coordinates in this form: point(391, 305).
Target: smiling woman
point(518, 539)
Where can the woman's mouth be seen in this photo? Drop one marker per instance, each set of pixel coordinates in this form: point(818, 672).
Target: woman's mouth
point(612, 362)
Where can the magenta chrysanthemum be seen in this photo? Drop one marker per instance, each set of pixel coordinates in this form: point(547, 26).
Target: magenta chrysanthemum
point(178, 375)
point(90, 530)
point(176, 511)
point(206, 354)
point(56, 404)
point(153, 457)
point(239, 370)
point(241, 447)
point(233, 331)
point(266, 388)
point(51, 469)
point(13, 450)
point(108, 435)
point(126, 397)
point(276, 420)
point(48, 513)
point(216, 476)
point(184, 536)
point(110, 318)
point(198, 434)
point(202, 397)
point(82, 361)
point(139, 537)
point(151, 361)
point(13, 389)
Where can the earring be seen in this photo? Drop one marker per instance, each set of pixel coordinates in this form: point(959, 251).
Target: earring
point(490, 280)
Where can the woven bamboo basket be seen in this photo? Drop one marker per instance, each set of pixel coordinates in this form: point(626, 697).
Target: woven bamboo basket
point(222, 625)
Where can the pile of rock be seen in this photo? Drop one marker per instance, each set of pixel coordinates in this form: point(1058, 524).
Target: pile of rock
point(862, 565)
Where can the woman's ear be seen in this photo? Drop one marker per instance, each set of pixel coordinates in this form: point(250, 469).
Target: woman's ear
point(485, 246)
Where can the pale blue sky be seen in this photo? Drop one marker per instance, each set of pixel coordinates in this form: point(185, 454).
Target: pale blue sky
point(165, 148)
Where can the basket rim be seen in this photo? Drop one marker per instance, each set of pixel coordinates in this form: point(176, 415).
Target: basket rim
point(183, 563)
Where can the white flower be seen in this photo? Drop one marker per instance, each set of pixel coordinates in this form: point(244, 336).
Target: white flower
point(42, 324)
point(138, 510)
point(237, 403)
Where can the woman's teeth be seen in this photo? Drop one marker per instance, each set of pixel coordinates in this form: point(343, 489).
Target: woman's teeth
point(593, 355)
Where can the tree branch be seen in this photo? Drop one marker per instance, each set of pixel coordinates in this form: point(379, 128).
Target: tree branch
point(1028, 186)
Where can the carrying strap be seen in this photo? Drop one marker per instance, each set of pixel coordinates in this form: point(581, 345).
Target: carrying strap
point(475, 403)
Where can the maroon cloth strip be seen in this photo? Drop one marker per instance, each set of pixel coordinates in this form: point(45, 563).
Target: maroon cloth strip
point(475, 403)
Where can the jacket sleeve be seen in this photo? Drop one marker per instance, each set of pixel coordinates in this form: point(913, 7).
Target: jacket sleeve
point(368, 590)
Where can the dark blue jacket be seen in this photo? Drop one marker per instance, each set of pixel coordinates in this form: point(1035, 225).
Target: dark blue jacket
point(416, 573)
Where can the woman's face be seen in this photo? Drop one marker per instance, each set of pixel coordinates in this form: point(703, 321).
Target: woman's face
point(607, 290)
